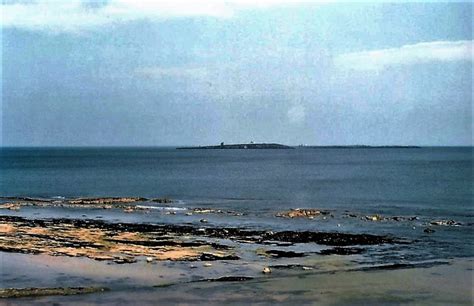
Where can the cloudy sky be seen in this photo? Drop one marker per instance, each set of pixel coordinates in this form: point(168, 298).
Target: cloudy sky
point(130, 72)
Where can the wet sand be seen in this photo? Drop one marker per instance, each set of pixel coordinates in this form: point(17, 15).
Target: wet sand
point(337, 281)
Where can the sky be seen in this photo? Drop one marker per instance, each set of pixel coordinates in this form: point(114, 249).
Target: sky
point(170, 73)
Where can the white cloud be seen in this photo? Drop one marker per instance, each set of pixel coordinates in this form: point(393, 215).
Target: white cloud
point(297, 114)
point(440, 51)
point(79, 15)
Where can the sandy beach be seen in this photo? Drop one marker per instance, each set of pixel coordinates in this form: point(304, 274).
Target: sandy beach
point(336, 281)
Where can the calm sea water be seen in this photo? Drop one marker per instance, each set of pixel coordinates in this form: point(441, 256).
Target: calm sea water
point(431, 183)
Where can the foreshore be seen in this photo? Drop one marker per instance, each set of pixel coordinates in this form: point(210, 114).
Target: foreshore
point(335, 281)
point(105, 260)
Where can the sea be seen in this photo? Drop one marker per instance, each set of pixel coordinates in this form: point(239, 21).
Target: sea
point(422, 185)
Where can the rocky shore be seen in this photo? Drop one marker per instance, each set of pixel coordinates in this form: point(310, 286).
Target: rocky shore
point(127, 242)
point(209, 251)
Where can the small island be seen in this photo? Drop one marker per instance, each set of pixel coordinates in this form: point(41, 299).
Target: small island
point(359, 147)
point(241, 146)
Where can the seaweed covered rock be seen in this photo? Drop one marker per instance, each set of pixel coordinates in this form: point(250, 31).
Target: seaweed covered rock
point(301, 213)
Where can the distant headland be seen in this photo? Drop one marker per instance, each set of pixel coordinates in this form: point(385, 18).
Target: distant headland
point(241, 146)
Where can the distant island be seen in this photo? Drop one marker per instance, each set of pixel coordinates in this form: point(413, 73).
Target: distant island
point(358, 147)
point(280, 146)
point(241, 146)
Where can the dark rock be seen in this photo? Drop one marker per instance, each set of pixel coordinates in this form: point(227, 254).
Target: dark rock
point(429, 230)
point(404, 266)
point(287, 254)
point(342, 251)
point(335, 239)
point(166, 285)
point(229, 279)
point(27, 199)
point(162, 201)
point(213, 257)
point(288, 266)
point(32, 292)
point(168, 242)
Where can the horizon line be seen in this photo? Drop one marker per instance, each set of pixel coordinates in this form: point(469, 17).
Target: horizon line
point(178, 146)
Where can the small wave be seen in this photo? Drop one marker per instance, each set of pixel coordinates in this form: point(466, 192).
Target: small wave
point(161, 207)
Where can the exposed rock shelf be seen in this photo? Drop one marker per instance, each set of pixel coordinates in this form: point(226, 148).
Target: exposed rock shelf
point(127, 242)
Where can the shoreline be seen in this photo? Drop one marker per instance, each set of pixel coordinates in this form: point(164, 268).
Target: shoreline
point(100, 250)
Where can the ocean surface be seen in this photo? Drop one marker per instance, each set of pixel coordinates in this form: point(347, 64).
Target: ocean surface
point(427, 183)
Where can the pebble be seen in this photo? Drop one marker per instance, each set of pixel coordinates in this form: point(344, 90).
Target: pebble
point(149, 259)
point(266, 270)
point(207, 264)
point(203, 221)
